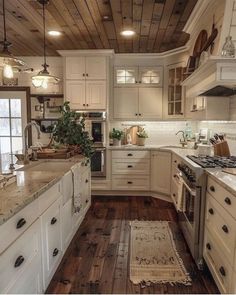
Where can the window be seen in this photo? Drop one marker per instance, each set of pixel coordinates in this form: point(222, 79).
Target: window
point(12, 121)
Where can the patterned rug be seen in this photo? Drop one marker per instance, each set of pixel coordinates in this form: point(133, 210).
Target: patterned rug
point(153, 257)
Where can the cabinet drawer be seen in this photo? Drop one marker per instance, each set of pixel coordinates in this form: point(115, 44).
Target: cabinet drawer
point(221, 226)
point(218, 265)
point(130, 154)
point(52, 245)
point(224, 197)
point(130, 183)
point(175, 161)
point(120, 166)
point(18, 256)
point(17, 224)
point(50, 196)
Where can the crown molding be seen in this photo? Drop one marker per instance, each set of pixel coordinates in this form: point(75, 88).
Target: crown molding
point(105, 52)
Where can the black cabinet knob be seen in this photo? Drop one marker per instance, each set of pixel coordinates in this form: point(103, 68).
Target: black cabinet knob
point(208, 246)
point(84, 104)
point(86, 201)
point(175, 161)
point(53, 220)
point(19, 261)
point(83, 75)
point(211, 211)
point(86, 75)
point(174, 195)
point(130, 155)
point(129, 182)
point(130, 166)
point(140, 114)
point(140, 82)
point(227, 201)
point(222, 271)
point(86, 181)
point(212, 188)
point(136, 114)
point(225, 228)
point(55, 252)
point(87, 104)
point(20, 223)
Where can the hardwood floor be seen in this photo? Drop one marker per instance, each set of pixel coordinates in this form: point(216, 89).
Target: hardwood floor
point(97, 260)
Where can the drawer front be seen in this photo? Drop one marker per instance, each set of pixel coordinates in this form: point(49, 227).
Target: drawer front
point(67, 186)
point(120, 166)
point(218, 265)
point(16, 225)
point(52, 248)
point(130, 154)
point(224, 197)
point(221, 226)
point(130, 183)
point(49, 197)
point(18, 256)
point(175, 161)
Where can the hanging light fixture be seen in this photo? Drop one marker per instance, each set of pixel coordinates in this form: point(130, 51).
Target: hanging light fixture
point(43, 77)
point(7, 60)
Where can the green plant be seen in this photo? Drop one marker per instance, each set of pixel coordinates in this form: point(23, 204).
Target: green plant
point(117, 134)
point(142, 133)
point(70, 130)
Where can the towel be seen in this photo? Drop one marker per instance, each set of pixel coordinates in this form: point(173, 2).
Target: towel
point(77, 205)
point(181, 204)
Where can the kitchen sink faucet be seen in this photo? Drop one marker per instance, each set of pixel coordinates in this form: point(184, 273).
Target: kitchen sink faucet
point(184, 141)
point(26, 139)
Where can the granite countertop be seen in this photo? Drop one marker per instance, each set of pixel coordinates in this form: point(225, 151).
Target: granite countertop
point(29, 186)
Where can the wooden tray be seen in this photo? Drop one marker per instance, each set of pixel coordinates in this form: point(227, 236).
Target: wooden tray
point(56, 155)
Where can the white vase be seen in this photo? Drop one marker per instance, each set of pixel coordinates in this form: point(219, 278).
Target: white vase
point(116, 142)
point(141, 141)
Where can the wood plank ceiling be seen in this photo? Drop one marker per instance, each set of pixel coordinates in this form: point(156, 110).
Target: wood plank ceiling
point(96, 24)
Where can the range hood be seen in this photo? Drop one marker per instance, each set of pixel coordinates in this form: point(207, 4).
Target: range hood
point(215, 77)
point(219, 91)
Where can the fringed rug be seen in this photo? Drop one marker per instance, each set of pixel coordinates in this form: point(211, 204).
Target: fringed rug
point(153, 257)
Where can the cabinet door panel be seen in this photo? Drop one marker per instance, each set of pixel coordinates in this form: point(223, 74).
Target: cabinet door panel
point(96, 68)
point(75, 67)
point(150, 103)
point(125, 103)
point(125, 76)
point(96, 95)
point(150, 76)
point(161, 172)
point(75, 94)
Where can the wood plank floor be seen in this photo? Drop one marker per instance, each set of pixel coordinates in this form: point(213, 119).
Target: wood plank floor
point(97, 260)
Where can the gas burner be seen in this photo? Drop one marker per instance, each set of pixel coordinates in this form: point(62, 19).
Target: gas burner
point(214, 162)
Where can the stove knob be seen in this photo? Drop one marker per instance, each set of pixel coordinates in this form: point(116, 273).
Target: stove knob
point(191, 178)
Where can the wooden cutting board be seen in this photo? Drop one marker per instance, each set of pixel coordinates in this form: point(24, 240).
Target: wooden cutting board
point(230, 171)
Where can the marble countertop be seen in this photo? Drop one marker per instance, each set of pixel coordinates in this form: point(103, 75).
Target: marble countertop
point(29, 186)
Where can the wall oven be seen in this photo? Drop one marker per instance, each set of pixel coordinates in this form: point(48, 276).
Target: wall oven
point(191, 214)
point(98, 162)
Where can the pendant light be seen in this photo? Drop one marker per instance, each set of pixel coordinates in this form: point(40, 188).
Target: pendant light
point(7, 60)
point(43, 77)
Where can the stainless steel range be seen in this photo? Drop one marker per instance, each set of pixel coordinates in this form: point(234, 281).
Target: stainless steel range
point(214, 162)
point(191, 217)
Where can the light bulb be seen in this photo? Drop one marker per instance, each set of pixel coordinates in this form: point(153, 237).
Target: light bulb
point(7, 71)
point(45, 84)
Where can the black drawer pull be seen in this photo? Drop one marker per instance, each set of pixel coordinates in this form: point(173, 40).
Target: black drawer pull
point(130, 166)
point(136, 114)
point(225, 228)
point(174, 195)
point(175, 161)
point(212, 188)
point(86, 201)
point(20, 223)
point(130, 155)
point(55, 252)
point(227, 201)
point(19, 261)
point(208, 246)
point(83, 75)
point(129, 182)
point(53, 220)
point(86, 181)
point(211, 211)
point(222, 271)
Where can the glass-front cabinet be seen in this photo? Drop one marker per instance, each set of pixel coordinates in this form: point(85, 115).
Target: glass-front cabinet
point(136, 76)
point(175, 91)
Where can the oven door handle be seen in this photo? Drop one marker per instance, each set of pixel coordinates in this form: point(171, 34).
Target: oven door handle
point(102, 161)
point(193, 192)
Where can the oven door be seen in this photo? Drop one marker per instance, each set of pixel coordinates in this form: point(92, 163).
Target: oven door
point(98, 165)
point(189, 218)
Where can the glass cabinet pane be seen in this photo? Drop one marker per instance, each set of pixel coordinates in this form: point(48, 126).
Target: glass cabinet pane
point(179, 75)
point(178, 109)
point(171, 93)
point(172, 77)
point(15, 107)
point(125, 76)
point(150, 76)
point(170, 108)
point(4, 107)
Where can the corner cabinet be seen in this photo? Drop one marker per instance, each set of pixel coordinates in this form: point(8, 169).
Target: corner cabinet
point(137, 93)
point(86, 82)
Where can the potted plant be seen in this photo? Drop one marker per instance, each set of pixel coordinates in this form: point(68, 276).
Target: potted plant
point(116, 135)
point(141, 136)
point(70, 131)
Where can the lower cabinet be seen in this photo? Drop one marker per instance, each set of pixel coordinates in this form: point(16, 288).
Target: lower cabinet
point(51, 240)
point(161, 172)
point(67, 223)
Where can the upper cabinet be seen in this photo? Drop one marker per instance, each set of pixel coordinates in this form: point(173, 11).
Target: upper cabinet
point(86, 82)
point(136, 76)
point(175, 103)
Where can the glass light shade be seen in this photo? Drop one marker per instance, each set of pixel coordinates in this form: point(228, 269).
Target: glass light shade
point(7, 71)
point(42, 80)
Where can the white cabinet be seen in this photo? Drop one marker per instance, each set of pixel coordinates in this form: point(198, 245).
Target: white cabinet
point(85, 67)
point(86, 189)
point(137, 103)
point(161, 172)
point(138, 76)
point(86, 82)
point(51, 240)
